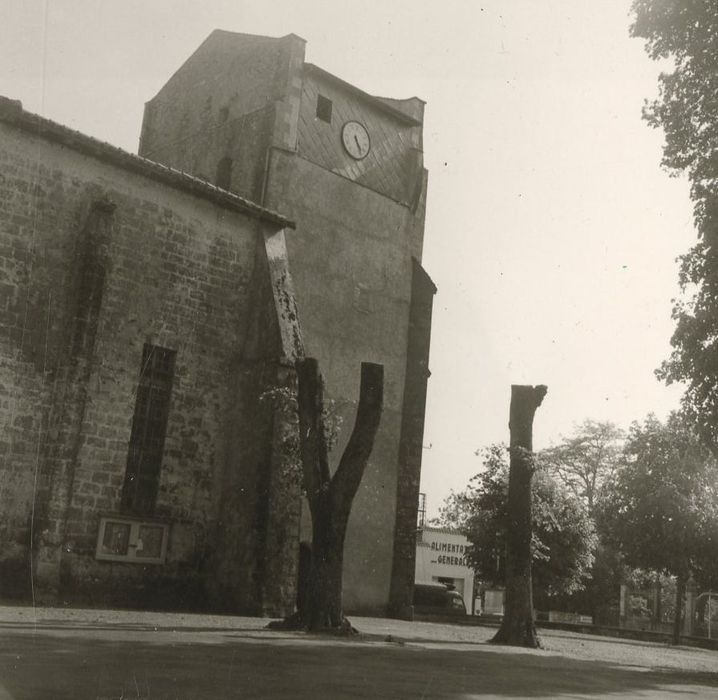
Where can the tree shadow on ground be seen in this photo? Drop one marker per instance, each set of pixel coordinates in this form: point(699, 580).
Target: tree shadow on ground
point(178, 667)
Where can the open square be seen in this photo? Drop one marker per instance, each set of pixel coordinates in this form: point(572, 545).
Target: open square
point(110, 655)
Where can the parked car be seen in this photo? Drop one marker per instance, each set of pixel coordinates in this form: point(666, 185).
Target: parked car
point(438, 598)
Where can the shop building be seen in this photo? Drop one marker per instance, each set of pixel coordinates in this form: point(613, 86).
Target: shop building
point(441, 558)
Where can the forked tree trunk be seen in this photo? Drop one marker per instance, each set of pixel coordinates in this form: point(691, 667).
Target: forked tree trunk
point(325, 578)
point(330, 497)
point(678, 616)
point(517, 627)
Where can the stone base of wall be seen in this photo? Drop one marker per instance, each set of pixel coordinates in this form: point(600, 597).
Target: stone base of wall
point(100, 584)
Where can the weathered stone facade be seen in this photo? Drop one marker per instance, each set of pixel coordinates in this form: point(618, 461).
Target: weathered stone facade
point(149, 325)
point(246, 110)
point(103, 254)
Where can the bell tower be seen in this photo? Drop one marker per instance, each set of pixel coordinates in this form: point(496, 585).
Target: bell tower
point(249, 114)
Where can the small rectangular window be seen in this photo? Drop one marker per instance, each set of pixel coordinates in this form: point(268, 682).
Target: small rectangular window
point(324, 109)
point(149, 425)
point(120, 539)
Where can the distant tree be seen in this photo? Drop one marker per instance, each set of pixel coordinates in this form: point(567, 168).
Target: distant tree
point(662, 508)
point(563, 537)
point(685, 32)
point(586, 460)
point(600, 597)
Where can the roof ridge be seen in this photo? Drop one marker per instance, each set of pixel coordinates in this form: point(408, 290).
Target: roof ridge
point(445, 530)
point(376, 101)
point(12, 112)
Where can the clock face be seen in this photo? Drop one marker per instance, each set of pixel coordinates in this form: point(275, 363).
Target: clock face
point(356, 140)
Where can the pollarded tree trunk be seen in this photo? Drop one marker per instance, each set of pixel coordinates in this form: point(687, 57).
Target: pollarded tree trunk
point(517, 627)
point(330, 497)
point(325, 579)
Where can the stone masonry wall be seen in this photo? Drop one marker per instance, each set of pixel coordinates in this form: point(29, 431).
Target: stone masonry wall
point(238, 82)
point(359, 224)
point(351, 268)
point(412, 443)
point(177, 275)
point(256, 552)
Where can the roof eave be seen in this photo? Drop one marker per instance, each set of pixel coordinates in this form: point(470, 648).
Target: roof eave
point(375, 101)
point(12, 113)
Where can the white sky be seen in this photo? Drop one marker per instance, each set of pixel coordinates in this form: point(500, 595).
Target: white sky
point(551, 230)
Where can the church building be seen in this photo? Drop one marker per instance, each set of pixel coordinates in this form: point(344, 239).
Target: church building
point(152, 309)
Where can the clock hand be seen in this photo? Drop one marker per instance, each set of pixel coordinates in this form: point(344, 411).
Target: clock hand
point(356, 140)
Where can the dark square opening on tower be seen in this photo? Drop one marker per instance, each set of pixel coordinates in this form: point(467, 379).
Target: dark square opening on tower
point(324, 109)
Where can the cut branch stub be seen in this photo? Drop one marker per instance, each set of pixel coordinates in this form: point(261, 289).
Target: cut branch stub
point(351, 466)
point(524, 402)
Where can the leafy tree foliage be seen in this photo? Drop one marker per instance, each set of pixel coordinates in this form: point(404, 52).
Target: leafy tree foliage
point(685, 32)
point(662, 510)
point(586, 460)
point(563, 535)
point(663, 506)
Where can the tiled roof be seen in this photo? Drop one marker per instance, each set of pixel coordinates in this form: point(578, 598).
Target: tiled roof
point(11, 112)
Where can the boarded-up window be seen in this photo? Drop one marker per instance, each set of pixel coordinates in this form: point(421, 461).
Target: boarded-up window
point(224, 173)
point(149, 425)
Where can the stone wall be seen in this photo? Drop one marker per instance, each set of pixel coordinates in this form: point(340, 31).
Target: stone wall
point(352, 273)
point(411, 443)
point(394, 165)
point(359, 225)
point(96, 261)
point(226, 101)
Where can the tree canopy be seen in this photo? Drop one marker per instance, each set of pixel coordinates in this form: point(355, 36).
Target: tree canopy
point(662, 509)
point(586, 460)
point(563, 536)
point(685, 34)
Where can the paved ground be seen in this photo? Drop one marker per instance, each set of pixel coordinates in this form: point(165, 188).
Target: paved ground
point(106, 655)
